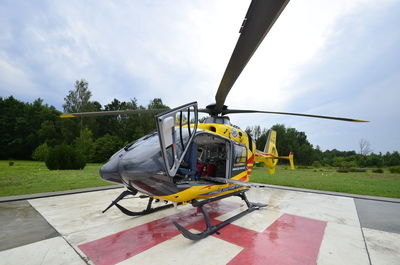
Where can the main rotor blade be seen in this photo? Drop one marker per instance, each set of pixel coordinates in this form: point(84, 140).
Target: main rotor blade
point(111, 112)
point(204, 111)
point(233, 111)
point(260, 17)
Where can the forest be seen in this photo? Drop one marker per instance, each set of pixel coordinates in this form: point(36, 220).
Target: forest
point(30, 131)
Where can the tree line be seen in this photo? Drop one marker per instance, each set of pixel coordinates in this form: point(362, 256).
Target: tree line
point(30, 130)
point(290, 140)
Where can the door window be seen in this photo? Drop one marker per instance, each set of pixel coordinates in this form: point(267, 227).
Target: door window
point(176, 129)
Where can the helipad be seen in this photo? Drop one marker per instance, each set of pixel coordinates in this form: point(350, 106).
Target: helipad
point(296, 228)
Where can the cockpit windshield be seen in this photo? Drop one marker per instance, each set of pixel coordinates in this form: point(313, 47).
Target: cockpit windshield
point(146, 149)
point(139, 141)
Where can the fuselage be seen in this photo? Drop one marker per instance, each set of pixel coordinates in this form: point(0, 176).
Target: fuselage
point(218, 150)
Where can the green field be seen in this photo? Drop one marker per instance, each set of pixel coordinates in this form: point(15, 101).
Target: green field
point(27, 177)
point(367, 183)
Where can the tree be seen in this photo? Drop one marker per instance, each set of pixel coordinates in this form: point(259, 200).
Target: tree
point(255, 132)
point(338, 161)
point(147, 121)
point(318, 155)
point(392, 159)
point(157, 103)
point(364, 147)
point(50, 132)
point(84, 144)
point(19, 126)
point(290, 140)
point(123, 126)
point(260, 143)
point(78, 100)
point(374, 160)
point(105, 147)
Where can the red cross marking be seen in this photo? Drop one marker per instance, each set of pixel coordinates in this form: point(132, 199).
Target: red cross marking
point(289, 240)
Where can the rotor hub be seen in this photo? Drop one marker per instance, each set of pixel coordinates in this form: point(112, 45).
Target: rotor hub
point(213, 111)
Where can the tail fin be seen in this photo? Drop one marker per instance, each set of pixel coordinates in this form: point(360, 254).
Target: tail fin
point(270, 144)
point(270, 148)
point(290, 158)
point(270, 155)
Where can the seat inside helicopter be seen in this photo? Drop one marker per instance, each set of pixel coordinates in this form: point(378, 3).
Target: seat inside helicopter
point(208, 156)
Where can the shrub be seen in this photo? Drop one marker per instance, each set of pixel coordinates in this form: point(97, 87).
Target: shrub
point(356, 169)
point(350, 164)
point(10, 163)
point(40, 152)
point(64, 157)
point(316, 164)
point(394, 169)
point(378, 170)
point(303, 167)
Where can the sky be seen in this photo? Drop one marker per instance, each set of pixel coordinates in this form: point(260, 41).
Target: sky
point(335, 58)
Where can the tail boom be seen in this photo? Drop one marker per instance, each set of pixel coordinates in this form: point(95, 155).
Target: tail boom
point(270, 155)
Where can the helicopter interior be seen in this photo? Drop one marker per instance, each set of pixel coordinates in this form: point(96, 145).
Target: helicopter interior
point(208, 156)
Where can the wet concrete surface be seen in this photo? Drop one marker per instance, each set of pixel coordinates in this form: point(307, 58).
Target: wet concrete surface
point(383, 216)
point(351, 231)
point(21, 224)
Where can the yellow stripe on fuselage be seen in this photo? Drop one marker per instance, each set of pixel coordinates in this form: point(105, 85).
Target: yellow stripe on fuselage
point(205, 191)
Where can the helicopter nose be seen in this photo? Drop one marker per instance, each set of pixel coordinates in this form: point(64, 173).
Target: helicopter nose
point(110, 171)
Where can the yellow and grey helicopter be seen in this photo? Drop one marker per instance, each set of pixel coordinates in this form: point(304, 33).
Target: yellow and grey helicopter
point(189, 162)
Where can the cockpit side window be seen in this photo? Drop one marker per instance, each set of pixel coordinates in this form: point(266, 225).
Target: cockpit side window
point(239, 159)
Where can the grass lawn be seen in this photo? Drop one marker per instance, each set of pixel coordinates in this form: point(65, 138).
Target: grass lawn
point(27, 177)
point(367, 183)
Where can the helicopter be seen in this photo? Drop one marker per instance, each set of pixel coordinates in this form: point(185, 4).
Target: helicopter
point(185, 161)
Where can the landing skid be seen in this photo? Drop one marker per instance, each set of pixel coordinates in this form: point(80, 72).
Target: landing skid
point(148, 209)
point(211, 229)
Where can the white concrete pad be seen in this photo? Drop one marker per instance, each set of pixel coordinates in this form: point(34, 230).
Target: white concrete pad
point(123, 222)
point(179, 250)
point(77, 212)
point(79, 219)
point(258, 220)
point(46, 252)
point(83, 211)
point(342, 244)
point(383, 247)
point(327, 208)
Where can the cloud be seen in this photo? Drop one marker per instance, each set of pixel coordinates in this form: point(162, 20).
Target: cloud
point(14, 80)
point(353, 72)
point(320, 56)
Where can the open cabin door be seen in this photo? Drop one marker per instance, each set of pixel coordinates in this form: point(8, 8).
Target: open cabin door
point(176, 130)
